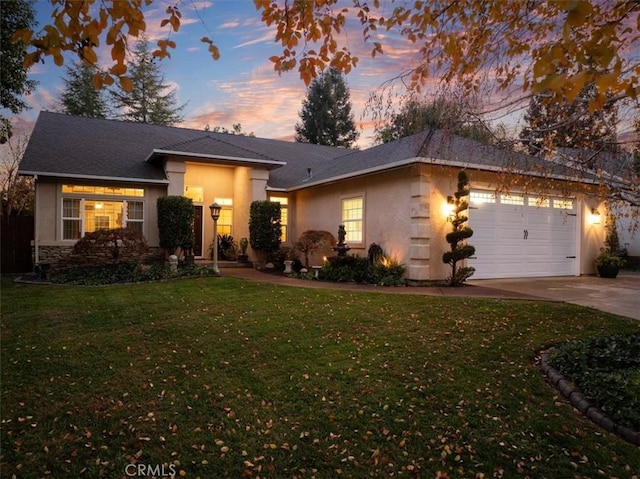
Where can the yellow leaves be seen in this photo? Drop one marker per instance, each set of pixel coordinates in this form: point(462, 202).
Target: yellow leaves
point(89, 56)
point(22, 36)
point(118, 69)
point(215, 52)
point(174, 18)
point(126, 83)
point(79, 27)
point(578, 12)
point(163, 45)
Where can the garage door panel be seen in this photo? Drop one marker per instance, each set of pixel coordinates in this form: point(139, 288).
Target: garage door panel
point(536, 238)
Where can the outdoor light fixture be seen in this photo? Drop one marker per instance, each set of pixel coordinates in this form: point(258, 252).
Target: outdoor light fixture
point(215, 214)
point(450, 206)
point(594, 217)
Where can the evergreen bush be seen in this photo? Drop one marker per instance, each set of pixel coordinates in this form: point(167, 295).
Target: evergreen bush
point(265, 231)
point(460, 250)
point(175, 224)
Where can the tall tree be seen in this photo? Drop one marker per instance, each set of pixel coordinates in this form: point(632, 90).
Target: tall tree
point(17, 193)
point(236, 130)
point(326, 117)
point(150, 100)
point(441, 113)
point(15, 15)
point(80, 97)
point(552, 123)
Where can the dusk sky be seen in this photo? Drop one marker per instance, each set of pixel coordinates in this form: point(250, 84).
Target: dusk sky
point(240, 87)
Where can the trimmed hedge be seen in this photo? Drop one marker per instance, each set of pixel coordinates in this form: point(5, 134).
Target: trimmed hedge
point(607, 371)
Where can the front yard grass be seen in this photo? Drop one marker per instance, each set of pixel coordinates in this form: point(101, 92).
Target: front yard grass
point(217, 377)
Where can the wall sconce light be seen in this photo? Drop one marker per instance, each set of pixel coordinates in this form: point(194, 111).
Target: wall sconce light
point(594, 216)
point(450, 206)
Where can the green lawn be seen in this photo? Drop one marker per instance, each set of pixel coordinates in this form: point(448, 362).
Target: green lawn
point(217, 377)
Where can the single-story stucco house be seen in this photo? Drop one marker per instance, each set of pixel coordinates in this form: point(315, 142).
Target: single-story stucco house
point(96, 173)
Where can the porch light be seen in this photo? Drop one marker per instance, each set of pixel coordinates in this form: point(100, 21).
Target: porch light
point(594, 216)
point(449, 207)
point(215, 214)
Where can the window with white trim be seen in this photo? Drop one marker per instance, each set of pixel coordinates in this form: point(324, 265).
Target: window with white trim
point(86, 209)
point(284, 214)
point(512, 200)
point(563, 204)
point(225, 222)
point(353, 218)
point(71, 219)
point(539, 202)
point(478, 197)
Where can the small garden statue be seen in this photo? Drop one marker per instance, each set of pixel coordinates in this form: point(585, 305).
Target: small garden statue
point(244, 243)
point(341, 248)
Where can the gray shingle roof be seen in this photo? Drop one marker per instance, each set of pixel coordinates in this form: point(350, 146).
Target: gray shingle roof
point(70, 146)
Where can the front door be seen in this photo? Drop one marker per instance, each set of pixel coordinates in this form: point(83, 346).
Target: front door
point(197, 230)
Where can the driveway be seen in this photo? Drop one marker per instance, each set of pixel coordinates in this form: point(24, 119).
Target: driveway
point(619, 296)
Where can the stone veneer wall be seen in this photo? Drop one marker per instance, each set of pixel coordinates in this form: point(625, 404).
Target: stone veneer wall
point(53, 254)
point(59, 257)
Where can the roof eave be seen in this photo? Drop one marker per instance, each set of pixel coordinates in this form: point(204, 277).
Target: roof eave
point(433, 161)
point(48, 174)
point(269, 164)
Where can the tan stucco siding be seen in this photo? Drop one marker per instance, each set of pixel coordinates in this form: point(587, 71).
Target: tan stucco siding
point(242, 184)
point(387, 204)
point(593, 235)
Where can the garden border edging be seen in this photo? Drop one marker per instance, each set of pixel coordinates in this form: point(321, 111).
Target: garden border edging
point(582, 404)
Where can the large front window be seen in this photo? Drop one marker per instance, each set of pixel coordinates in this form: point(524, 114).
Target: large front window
point(352, 219)
point(92, 210)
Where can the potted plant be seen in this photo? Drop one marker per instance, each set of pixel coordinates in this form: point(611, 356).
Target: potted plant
point(608, 263)
point(227, 246)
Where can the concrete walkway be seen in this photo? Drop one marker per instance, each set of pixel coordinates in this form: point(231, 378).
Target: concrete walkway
point(619, 296)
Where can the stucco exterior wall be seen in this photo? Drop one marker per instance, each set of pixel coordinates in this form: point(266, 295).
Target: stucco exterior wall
point(242, 184)
point(387, 203)
point(406, 213)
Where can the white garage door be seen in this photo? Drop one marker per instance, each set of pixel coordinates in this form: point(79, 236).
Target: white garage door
point(522, 236)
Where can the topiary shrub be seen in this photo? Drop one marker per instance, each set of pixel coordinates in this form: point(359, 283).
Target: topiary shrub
point(265, 231)
point(456, 239)
point(175, 224)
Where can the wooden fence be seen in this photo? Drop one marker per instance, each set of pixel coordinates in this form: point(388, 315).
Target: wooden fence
point(17, 234)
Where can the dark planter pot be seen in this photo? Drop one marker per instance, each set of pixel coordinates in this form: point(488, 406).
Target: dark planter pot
point(608, 270)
